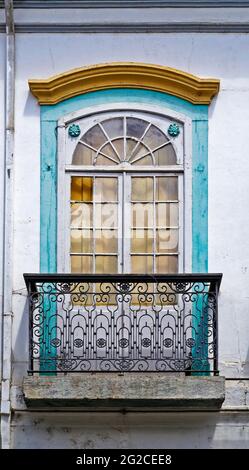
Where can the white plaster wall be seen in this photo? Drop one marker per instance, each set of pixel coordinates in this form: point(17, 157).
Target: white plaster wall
point(223, 56)
point(26, 205)
point(130, 431)
point(129, 15)
point(2, 112)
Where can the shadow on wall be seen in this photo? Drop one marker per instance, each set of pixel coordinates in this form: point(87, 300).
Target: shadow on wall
point(20, 341)
point(132, 431)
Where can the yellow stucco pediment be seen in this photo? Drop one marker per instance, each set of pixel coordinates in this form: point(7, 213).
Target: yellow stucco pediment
point(124, 75)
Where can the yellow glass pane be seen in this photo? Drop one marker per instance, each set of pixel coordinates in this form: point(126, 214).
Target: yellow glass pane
point(166, 214)
point(106, 215)
point(165, 156)
point(106, 189)
point(166, 264)
point(141, 264)
point(94, 137)
point(106, 264)
point(142, 241)
point(154, 137)
point(83, 155)
point(81, 241)
point(142, 215)
point(142, 189)
point(81, 215)
point(81, 264)
point(82, 188)
point(167, 241)
point(166, 188)
point(106, 241)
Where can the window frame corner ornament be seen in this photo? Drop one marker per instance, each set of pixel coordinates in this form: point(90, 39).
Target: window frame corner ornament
point(74, 130)
point(173, 130)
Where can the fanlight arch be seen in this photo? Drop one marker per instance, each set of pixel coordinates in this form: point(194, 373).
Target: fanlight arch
point(123, 139)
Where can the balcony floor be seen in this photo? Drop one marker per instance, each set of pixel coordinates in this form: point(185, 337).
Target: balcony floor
point(135, 391)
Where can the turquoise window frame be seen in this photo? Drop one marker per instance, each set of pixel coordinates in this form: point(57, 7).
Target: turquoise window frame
point(48, 182)
point(48, 178)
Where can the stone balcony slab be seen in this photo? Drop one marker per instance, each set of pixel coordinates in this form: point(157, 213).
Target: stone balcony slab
point(135, 391)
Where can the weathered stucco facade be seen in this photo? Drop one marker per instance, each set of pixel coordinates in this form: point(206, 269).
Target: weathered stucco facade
point(211, 41)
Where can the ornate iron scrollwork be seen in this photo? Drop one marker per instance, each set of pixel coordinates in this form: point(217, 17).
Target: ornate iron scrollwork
point(123, 323)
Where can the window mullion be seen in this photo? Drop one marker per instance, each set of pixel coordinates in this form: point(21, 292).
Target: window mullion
point(93, 225)
point(154, 224)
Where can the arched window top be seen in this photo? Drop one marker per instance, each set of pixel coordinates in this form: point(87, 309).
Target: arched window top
point(125, 139)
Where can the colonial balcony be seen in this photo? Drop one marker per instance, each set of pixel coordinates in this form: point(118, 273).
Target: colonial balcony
point(128, 324)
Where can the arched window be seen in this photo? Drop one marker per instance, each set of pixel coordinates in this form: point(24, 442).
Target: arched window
point(124, 139)
point(126, 174)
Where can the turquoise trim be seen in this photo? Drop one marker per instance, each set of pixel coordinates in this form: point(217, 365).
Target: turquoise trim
point(49, 118)
point(53, 113)
point(200, 196)
point(48, 197)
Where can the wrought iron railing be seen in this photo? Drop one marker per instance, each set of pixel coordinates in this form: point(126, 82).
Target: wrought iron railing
point(163, 323)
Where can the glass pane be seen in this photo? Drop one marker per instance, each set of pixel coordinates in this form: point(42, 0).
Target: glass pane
point(139, 151)
point(106, 215)
point(81, 264)
point(106, 241)
point(108, 150)
point(94, 137)
point(142, 189)
point(141, 264)
point(142, 215)
point(81, 215)
point(106, 264)
point(166, 188)
point(142, 241)
point(130, 145)
point(106, 189)
point(104, 161)
point(154, 137)
point(165, 156)
point(145, 161)
point(135, 127)
point(167, 241)
point(114, 127)
point(166, 264)
point(82, 188)
point(81, 241)
point(83, 155)
point(119, 146)
point(166, 214)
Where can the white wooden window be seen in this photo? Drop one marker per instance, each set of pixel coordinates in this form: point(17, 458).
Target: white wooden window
point(124, 184)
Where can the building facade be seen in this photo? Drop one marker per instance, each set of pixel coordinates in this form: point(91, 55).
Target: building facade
point(124, 251)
